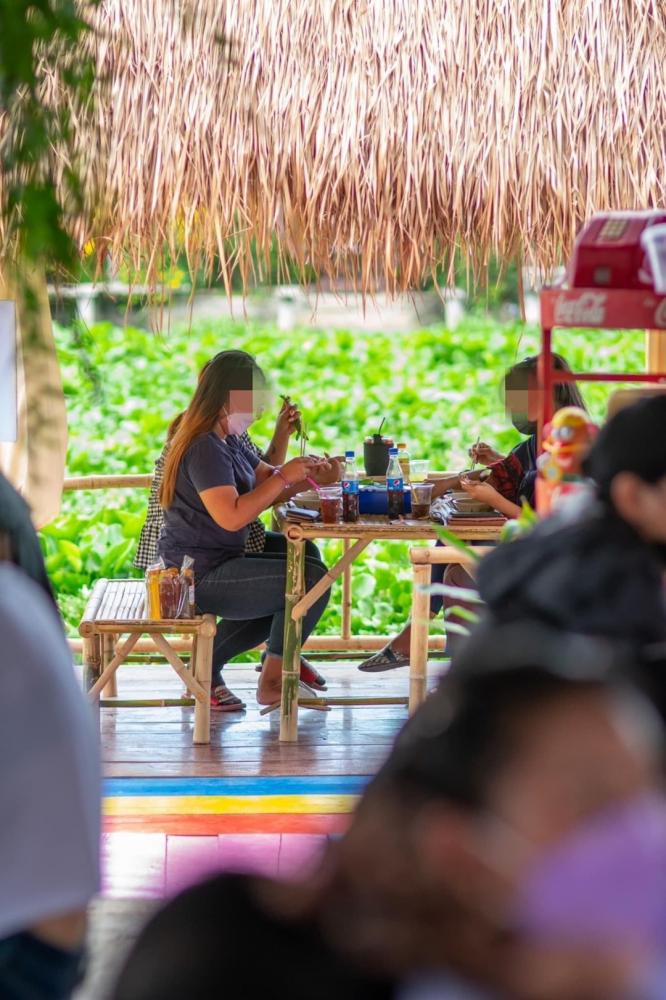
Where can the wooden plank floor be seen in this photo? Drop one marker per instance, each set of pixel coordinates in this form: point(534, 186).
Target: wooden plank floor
point(146, 857)
point(157, 742)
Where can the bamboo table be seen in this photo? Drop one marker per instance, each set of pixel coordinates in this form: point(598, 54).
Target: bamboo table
point(357, 536)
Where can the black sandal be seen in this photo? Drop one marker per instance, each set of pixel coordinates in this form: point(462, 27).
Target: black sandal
point(224, 700)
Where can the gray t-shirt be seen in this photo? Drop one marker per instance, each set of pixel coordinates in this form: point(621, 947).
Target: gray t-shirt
point(189, 530)
point(49, 775)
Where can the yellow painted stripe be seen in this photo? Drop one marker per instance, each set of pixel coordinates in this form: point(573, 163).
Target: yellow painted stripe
point(193, 805)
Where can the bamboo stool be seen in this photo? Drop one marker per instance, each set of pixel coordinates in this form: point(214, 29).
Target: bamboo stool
point(115, 609)
point(422, 559)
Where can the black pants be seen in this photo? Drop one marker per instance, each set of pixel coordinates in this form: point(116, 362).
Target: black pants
point(248, 593)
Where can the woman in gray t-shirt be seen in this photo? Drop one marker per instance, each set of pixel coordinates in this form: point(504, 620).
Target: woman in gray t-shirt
point(213, 488)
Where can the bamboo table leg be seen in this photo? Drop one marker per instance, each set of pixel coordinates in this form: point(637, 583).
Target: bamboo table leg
point(345, 632)
point(418, 650)
point(291, 659)
point(201, 669)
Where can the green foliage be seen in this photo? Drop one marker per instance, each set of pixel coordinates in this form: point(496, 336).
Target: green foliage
point(39, 39)
point(522, 525)
point(437, 388)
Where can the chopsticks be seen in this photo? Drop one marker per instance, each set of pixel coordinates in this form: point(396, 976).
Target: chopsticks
point(474, 447)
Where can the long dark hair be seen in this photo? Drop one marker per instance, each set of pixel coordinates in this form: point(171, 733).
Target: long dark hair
point(564, 393)
point(227, 371)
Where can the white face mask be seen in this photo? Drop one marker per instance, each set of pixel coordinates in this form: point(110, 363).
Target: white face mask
point(238, 423)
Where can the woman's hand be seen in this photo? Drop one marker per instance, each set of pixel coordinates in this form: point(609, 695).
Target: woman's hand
point(286, 424)
point(288, 420)
point(442, 486)
point(483, 492)
point(484, 454)
point(331, 472)
point(299, 469)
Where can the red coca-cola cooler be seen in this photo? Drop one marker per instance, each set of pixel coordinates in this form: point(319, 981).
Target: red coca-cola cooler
point(616, 280)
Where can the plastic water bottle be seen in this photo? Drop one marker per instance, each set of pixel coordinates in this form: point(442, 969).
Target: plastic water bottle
point(404, 459)
point(395, 485)
point(350, 505)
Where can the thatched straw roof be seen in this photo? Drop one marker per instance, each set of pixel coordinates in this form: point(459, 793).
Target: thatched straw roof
point(372, 136)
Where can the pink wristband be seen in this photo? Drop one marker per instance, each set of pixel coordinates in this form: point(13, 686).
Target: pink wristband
point(277, 471)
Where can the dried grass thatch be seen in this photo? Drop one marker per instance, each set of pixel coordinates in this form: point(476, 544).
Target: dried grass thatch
point(373, 137)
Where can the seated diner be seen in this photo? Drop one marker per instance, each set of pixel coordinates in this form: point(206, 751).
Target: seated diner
point(502, 483)
point(213, 488)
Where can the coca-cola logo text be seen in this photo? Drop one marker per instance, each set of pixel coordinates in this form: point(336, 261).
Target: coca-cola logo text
point(588, 309)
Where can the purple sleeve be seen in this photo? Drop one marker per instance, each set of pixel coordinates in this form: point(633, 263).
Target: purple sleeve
point(209, 464)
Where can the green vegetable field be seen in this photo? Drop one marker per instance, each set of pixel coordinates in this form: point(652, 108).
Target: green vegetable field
point(437, 388)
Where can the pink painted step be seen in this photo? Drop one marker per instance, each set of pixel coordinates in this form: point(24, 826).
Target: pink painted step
point(153, 865)
point(299, 853)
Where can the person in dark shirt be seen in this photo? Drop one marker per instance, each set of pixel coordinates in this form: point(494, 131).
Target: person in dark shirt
point(492, 774)
point(509, 480)
point(601, 573)
point(213, 488)
point(18, 539)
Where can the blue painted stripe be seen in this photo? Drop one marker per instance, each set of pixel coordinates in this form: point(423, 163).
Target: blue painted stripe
point(294, 785)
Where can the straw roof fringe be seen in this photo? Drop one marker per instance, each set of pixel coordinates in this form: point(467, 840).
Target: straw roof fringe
point(373, 137)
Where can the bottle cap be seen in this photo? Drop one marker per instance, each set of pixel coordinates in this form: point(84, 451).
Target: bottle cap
point(393, 451)
point(401, 444)
point(350, 454)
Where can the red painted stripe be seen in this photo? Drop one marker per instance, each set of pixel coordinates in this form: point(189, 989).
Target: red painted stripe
point(213, 824)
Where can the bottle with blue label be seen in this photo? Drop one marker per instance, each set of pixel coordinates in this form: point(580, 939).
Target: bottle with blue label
point(350, 478)
point(395, 485)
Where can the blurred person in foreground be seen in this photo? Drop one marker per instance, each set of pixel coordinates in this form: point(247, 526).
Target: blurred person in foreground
point(602, 571)
point(19, 542)
point(49, 799)
point(527, 761)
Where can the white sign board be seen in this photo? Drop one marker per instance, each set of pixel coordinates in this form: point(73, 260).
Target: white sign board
point(8, 414)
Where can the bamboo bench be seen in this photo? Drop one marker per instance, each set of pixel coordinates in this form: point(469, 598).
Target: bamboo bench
point(115, 609)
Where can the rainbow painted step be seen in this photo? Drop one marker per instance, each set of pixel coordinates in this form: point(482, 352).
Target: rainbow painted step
point(307, 804)
point(162, 834)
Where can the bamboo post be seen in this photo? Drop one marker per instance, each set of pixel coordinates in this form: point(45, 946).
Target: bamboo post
point(346, 596)
point(108, 650)
point(418, 649)
point(655, 350)
point(318, 643)
point(92, 660)
point(291, 658)
point(107, 482)
point(202, 669)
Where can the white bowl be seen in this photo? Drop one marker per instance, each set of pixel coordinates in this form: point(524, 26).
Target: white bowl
point(308, 499)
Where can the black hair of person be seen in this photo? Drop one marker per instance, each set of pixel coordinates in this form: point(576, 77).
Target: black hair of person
point(634, 440)
point(460, 738)
point(564, 393)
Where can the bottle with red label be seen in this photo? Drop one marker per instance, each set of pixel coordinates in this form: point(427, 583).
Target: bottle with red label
point(395, 485)
point(350, 505)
